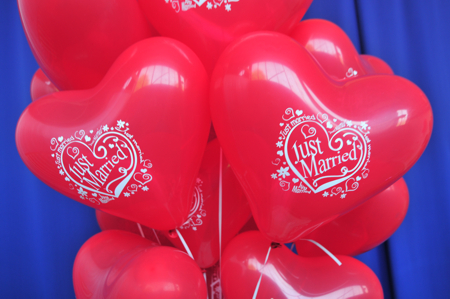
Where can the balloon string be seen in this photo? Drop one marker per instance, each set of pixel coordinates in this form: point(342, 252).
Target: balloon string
point(292, 246)
point(324, 250)
point(206, 282)
point(220, 222)
point(156, 235)
point(260, 277)
point(140, 230)
point(184, 244)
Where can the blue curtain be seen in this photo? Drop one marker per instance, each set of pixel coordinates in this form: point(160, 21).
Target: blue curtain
point(41, 230)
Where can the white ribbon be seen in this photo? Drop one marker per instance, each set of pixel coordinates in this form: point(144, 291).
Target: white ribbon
point(186, 247)
point(156, 236)
point(206, 282)
point(142, 233)
point(220, 223)
point(184, 244)
point(140, 230)
point(260, 277)
point(324, 250)
point(267, 257)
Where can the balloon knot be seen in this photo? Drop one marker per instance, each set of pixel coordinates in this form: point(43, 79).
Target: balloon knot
point(275, 245)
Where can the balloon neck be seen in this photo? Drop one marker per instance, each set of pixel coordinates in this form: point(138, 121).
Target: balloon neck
point(275, 245)
point(173, 234)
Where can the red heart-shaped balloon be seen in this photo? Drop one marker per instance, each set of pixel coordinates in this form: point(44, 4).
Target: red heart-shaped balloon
point(41, 85)
point(335, 52)
point(207, 27)
point(364, 227)
point(203, 234)
point(248, 264)
point(350, 234)
point(75, 42)
point(109, 222)
point(307, 148)
point(119, 264)
point(133, 145)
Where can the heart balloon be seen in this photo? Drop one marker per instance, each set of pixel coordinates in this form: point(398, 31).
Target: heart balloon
point(118, 264)
point(149, 117)
point(378, 65)
point(251, 265)
point(364, 227)
point(75, 42)
point(41, 85)
point(307, 148)
point(210, 226)
point(335, 52)
point(208, 26)
point(108, 222)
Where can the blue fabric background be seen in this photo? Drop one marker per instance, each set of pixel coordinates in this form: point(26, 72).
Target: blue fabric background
point(41, 230)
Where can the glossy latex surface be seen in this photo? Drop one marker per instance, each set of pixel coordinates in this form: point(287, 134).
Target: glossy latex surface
point(109, 222)
point(364, 227)
point(41, 85)
point(286, 275)
point(201, 230)
point(75, 42)
point(335, 52)
point(307, 148)
point(131, 146)
point(378, 65)
point(118, 264)
point(207, 27)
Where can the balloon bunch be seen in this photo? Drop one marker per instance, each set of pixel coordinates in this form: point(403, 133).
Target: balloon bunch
point(312, 141)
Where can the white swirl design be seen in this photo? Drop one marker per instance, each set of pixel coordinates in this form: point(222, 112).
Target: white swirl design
point(289, 113)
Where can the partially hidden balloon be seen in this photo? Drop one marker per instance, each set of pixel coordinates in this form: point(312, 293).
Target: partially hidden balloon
point(213, 282)
point(252, 265)
point(335, 52)
point(109, 222)
point(118, 264)
point(378, 65)
point(210, 226)
point(207, 27)
point(41, 85)
point(249, 226)
point(75, 42)
point(307, 148)
point(364, 227)
point(132, 146)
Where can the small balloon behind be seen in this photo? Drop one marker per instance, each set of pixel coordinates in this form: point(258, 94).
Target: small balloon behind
point(119, 264)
